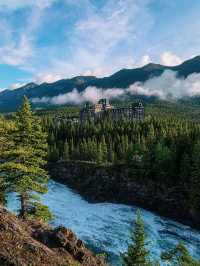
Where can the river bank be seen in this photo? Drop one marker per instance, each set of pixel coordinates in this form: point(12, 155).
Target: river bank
point(106, 228)
point(117, 184)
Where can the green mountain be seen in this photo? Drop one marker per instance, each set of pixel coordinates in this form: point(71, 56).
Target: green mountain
point(11, 99)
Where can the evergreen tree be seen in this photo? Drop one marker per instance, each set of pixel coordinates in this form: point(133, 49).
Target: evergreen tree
point(53, 153)
point(66, 151)
point(99, 154)
point(137, 254)
point(162, 160)
point(6, 129)
point(104, 149)
point(111, 154)
point(162, 150)
point(24, 167)
point(179, 256)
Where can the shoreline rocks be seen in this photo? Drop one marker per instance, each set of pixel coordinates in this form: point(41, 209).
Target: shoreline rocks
point(34, 243)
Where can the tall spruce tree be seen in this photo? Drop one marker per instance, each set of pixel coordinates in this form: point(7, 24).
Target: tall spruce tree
point(137, 254)
point(24, 166)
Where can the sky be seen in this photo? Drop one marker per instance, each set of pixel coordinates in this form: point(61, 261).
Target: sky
point(46, 40)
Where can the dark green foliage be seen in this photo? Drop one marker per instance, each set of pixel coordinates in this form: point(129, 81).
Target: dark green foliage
point(179, 256)
point(158, 141)
point(161, 150)
point(6, 129)
point(66, 151)
point(38, 211)
point(25, 158)
point(138, 253)
point(195, 178)
point(53, 153)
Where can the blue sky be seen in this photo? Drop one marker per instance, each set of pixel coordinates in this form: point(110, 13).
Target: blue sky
point(46, 40)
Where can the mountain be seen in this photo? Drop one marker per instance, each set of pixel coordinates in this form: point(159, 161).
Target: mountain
point(11, 99)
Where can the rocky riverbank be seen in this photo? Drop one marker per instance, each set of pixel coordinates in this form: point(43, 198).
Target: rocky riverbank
point(117, 184)
point(33, 243)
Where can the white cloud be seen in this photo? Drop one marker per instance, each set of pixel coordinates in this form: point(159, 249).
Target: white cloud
point(17, 85)
point(168, 85)
point(2, 89)
point(98, 41)
point(165, 86)
point(17, 4)
point(91, 94)
point(142, 62)
point(145, 60)
point(170, 59)
point(17, 44)
point(105, 31)
point(103, 40)
point(14, 53)
point(47, 77)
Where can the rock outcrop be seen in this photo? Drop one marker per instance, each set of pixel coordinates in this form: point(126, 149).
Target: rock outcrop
point(32, 243)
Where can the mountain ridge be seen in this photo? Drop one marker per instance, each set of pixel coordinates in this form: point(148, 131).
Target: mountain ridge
point(11, 99)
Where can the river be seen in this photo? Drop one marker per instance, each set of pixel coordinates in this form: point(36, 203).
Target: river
point(105, 227)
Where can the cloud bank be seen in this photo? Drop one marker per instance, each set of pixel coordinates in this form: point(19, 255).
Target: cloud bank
point(165, 86)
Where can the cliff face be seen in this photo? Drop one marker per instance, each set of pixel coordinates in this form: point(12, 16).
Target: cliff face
point(32, 243)
point(118, 184)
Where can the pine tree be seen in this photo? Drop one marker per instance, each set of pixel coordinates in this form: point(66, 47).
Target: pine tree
point(71, 148)
point(53, 153)
point(6, 129)
point(104, 149)
point(111, 154)
point(99, 153)
point(179, 256)
point(66, 151)
point(24, 168)
point(137, 254)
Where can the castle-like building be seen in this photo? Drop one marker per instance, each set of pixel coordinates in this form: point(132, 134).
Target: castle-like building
point(104, 109)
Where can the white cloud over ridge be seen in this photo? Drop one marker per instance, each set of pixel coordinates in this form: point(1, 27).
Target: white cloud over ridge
point(17, 85)
point(170, 59)
point(47, 77)
point(91, 94)
point(165, 86)
point(2, 89)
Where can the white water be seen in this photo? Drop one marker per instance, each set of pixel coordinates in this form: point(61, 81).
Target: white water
point(105, 227)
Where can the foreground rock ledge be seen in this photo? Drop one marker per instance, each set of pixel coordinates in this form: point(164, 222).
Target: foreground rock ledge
point(31, 243)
